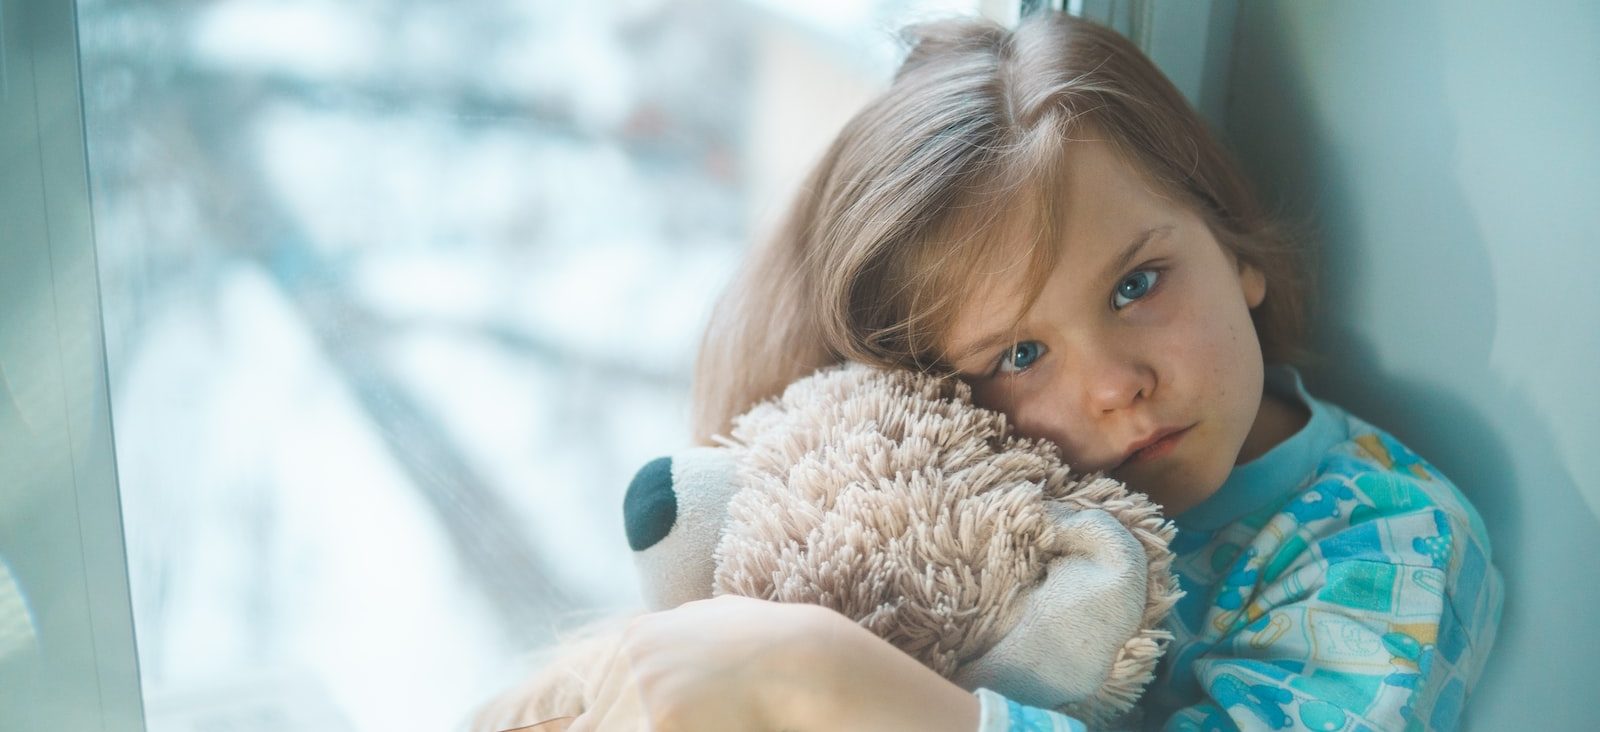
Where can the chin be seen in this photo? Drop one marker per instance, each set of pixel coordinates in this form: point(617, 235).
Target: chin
point(1175, 487)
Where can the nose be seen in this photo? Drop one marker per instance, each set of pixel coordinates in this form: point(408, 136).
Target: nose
point(1113, 381)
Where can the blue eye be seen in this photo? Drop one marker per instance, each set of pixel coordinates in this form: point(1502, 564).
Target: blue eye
point(1136, 285)
point(1018, 358)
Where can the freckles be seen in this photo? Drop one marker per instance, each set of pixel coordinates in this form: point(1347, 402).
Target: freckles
point(1220, 351)
point(1222, 386)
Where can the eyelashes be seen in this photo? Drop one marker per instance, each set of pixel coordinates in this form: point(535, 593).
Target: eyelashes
point(1021, 356)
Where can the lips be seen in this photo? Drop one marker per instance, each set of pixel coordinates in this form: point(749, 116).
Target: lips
point(1156, 445)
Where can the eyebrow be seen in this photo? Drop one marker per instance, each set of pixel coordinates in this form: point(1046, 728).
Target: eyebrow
point(1132, 250)
point(1117, 265)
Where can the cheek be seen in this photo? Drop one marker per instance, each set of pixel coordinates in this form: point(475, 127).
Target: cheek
point(1241, 348)
point(993, 394)
point(1032, 411)
point(1224, 358)
point(1210, 334)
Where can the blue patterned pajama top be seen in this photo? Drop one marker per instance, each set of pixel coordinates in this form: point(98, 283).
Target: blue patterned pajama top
point(1356, 595)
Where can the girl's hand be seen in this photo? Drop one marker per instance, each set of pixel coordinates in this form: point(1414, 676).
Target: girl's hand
point(736, 663)
point(728, 663)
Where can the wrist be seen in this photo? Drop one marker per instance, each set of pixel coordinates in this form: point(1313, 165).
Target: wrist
point(803, 680)
point(865, 683)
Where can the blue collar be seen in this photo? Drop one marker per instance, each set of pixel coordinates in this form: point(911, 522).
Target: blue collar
point(1281, 470)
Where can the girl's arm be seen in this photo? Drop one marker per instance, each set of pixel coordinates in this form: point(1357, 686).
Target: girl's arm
point(739, 663)
point(872, 685)
point(877, 687)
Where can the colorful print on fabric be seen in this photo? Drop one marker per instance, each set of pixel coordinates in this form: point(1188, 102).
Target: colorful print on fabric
point(1321, 501)
point(1238, 583)
point(1264, 700)
point(1030, 719)
point(1436, 547)
point(1361, 585)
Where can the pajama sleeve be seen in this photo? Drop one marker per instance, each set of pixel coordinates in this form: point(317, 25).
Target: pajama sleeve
point(999, 714)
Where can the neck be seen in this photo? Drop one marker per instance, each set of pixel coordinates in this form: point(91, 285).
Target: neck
point(1277, 420)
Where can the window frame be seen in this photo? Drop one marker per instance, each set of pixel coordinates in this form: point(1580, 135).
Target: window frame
point(60, 513)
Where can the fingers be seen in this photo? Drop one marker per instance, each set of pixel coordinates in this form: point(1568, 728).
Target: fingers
point(613, 718)
point(558, 724)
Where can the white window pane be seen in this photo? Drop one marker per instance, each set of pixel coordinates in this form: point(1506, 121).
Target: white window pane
point(398, 296)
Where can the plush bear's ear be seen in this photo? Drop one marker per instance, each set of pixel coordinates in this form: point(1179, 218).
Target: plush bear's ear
point(674, 513)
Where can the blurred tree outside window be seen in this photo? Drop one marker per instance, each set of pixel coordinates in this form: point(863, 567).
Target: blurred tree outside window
point(397, 297)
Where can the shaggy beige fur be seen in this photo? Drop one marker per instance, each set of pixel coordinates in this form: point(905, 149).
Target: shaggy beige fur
point(889, 497)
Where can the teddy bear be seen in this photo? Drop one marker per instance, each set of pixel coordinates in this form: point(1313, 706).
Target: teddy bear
point(889, 497)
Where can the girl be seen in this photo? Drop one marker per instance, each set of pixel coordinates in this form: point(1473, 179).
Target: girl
point(1040, 213)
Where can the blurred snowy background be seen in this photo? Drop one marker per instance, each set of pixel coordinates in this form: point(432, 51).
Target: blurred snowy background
point(397, 297)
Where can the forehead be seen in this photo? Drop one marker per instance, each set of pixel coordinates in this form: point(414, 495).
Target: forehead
point(1087, 209)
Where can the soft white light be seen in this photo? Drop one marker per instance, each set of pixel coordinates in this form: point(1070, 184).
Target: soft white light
point(303, 38)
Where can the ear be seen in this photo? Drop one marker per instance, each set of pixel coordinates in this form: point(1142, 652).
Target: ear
point(1253, 283)
point(674, 513)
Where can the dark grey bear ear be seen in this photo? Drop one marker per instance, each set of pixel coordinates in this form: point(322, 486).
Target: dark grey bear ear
point(650, 507)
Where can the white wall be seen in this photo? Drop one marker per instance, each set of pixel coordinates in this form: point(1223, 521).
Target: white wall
point(1448, 155)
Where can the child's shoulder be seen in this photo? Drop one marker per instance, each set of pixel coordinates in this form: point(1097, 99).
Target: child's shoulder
point(1340, 489)
point(1372, 537)
point(1377, 521)
point(1383, 479)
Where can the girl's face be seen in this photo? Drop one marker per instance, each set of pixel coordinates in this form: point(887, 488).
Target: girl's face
point(1139, 357)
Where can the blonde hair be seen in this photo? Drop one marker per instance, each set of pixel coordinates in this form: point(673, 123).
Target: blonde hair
point(900, 213)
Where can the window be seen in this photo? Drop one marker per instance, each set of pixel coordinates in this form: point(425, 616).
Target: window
point(398, 296)
point(388, 302)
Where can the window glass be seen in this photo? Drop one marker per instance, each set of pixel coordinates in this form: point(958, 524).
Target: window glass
point(398, 295)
